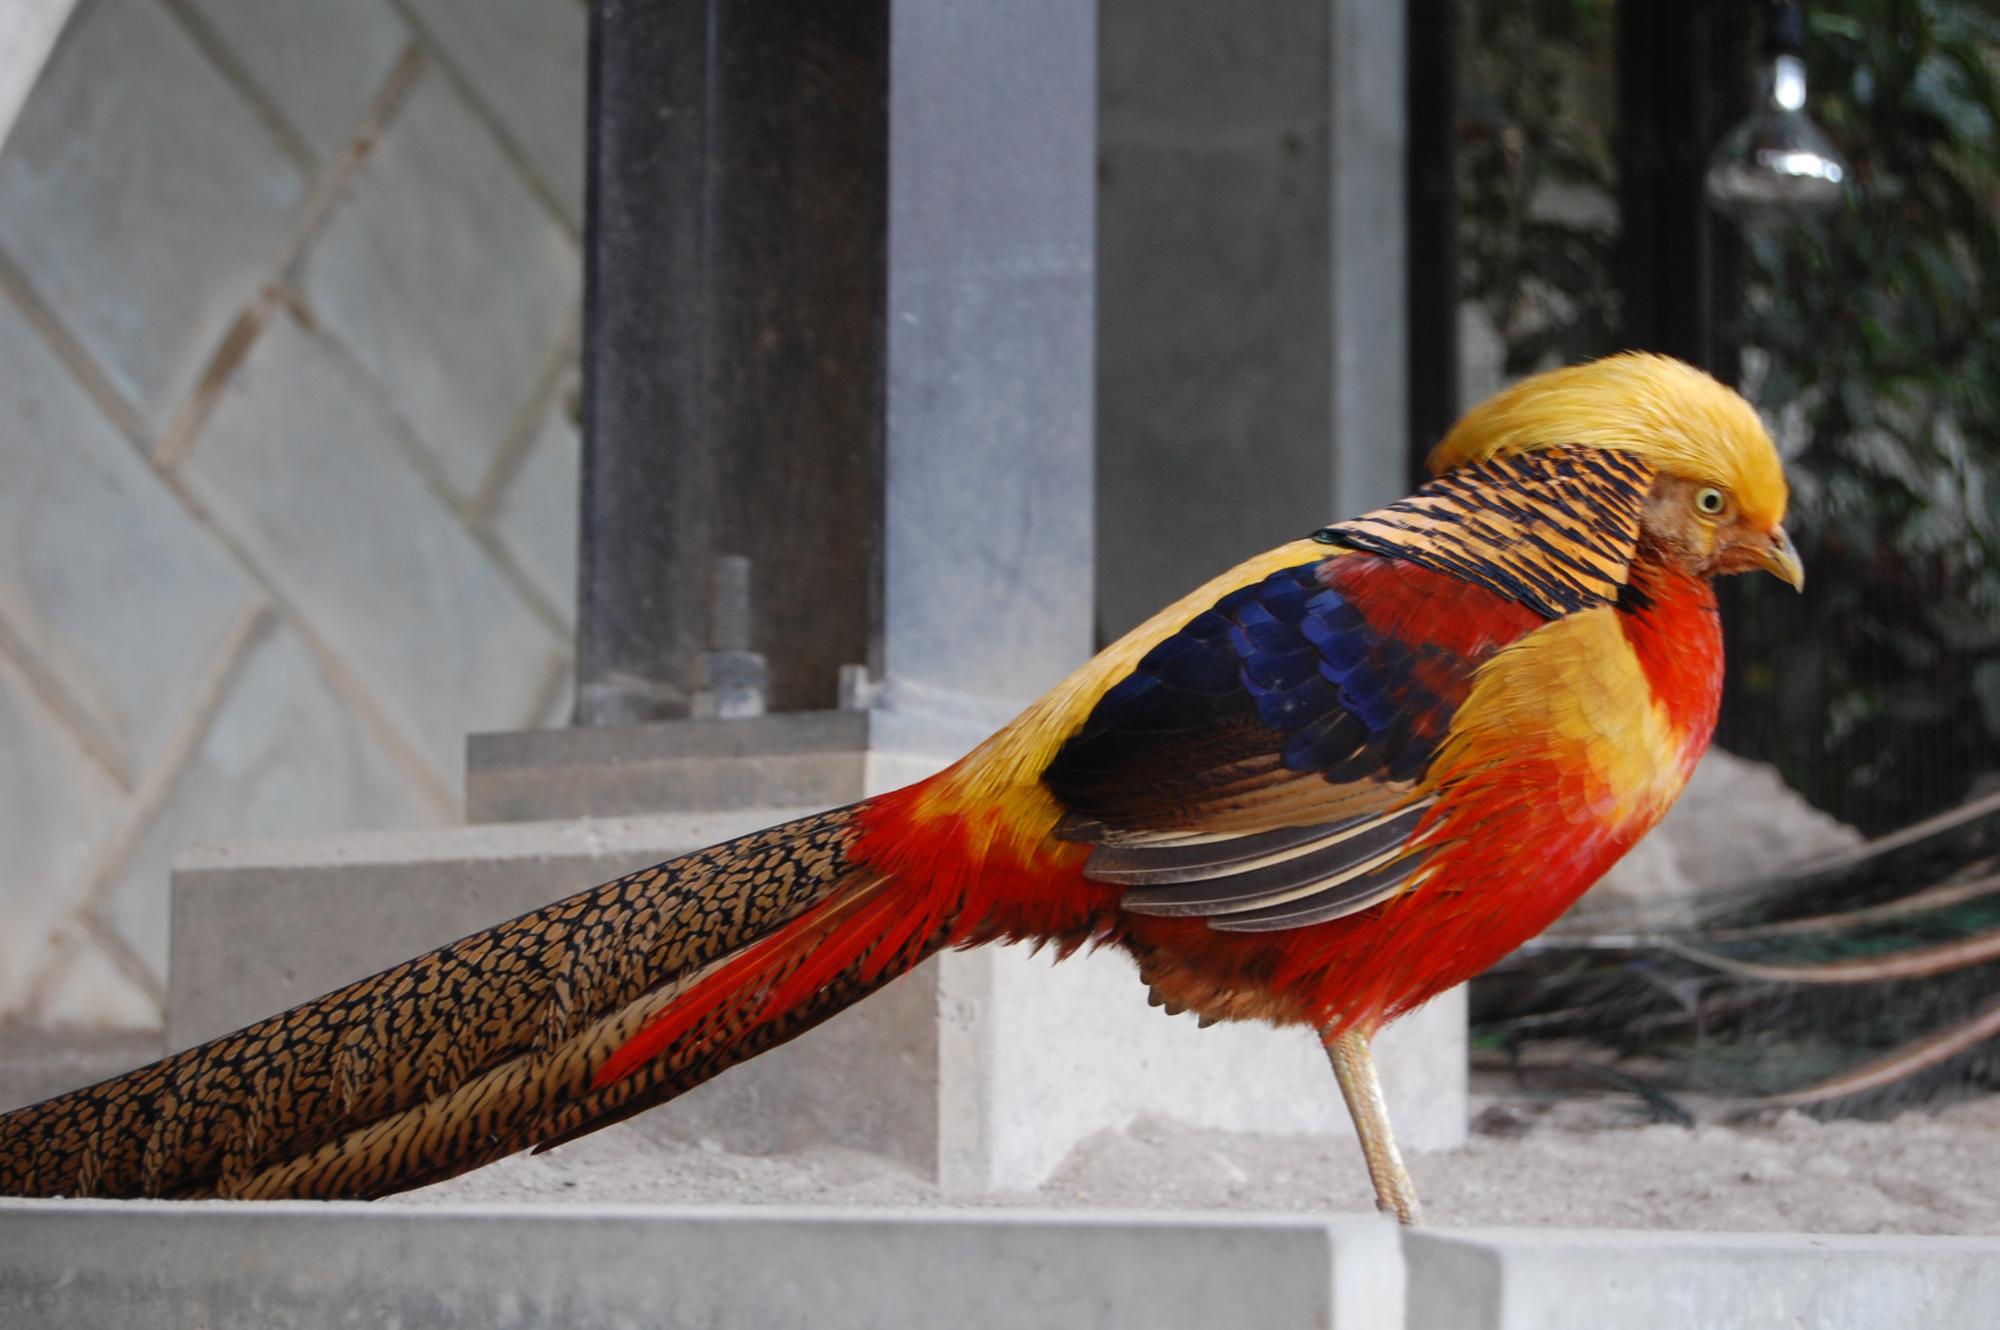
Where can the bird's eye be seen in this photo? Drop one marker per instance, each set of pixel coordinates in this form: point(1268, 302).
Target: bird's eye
point(1710, 502)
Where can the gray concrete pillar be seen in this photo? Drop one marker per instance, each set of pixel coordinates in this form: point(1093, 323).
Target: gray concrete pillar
point(839, 321)
point(988, 470)
point(1251, 322)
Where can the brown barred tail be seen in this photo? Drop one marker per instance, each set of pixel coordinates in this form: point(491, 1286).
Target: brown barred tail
point(455, 1058)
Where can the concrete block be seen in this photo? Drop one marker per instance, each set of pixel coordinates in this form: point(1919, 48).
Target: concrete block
point(1368, 119)
point(328, 506)
point(36, 1064)
point(284, 754)
point(536, 516)
point(799, 759)
point(1188, 72)
point(525, 60)
point(1214, 343)
point(1038, 1056)
point(1250, 284)
point(143, 198)
point(404, 277)
point(1018, 508)
point(56, 807)
point(988, 473)
point(97, 557)
point(1523, 1279)
point(225, 1266)
point(321, 65)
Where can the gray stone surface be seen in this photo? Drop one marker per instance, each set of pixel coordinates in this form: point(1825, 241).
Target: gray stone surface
point(535, 518)
point(1365, 216)
point(143, 198)
point(1183, 72)
point(525, 60)
point(304, 476)
point(1039, 1056)
point(1214, 323)
point(320, 64)
point(798, 758)
point(446, 278)
point(221, 1266)
point(55, 807)
point(36, 1064)
point(1738, 821)
point(1250, 339)
point(106, 584)
point(155, 181)
point(988, 476)
point(1522, 1279)
point(284, 754)
point(28, 32)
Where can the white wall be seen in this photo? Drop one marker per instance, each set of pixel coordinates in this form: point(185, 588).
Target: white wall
point(288, 327)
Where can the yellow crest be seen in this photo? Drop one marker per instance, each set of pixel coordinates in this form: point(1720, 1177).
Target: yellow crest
point(1673, 416)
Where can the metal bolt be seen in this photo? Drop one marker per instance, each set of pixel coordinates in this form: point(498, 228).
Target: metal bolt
point(729, 603)
point(732, 677)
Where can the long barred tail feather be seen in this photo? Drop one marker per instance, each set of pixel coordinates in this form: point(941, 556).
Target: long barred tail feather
point(486, 1046)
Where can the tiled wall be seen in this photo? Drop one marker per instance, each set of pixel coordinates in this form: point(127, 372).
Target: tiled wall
point(288, 328)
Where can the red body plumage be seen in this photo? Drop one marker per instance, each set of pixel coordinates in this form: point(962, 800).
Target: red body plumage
point(1517, 839)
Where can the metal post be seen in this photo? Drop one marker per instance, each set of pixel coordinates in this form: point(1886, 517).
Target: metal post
point(734, 278)
point(892, 422)
point(1682, 73)
point(1431, 88)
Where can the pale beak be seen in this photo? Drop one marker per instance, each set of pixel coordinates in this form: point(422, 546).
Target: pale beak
point(1782, 561)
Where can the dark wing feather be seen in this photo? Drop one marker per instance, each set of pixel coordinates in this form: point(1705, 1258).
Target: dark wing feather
point(1262, 766)
point(1262, 763)
point(1279, 681)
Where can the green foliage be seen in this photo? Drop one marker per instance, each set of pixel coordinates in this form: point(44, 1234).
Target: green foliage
point(1535, 169)
point(1878, 692)
point(1873, 343)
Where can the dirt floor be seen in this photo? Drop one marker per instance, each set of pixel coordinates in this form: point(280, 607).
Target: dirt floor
point(1569, 1163)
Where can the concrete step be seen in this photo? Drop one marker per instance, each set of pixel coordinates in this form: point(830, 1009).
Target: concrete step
point(817, 758)
point(982, 1070)
point(1527, 1279)
point(221, 1265)
point(37, 1063)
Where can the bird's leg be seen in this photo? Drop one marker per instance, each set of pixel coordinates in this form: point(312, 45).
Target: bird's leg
point(1354, 1068)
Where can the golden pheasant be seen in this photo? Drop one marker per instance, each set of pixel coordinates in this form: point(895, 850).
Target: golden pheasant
point(1326, 786)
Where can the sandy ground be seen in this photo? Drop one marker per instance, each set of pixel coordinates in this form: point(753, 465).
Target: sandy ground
point(1574, 1161)
point(1571, 1163)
